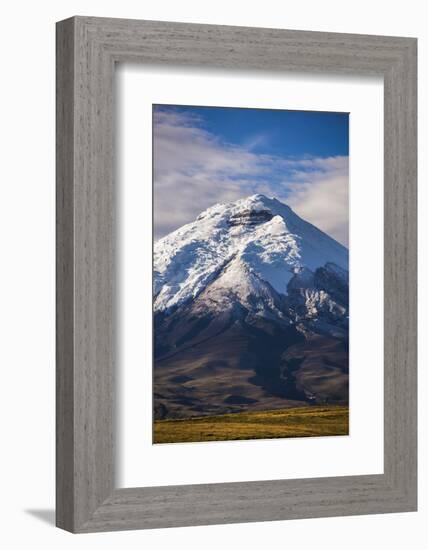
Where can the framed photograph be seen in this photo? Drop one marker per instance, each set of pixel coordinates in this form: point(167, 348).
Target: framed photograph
point(251, 316)
point(236, 274)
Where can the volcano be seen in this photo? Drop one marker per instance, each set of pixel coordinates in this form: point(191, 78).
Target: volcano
point(250, 313)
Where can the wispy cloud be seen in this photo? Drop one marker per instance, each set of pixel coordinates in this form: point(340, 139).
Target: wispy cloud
point(193, 169)
point(320, 195)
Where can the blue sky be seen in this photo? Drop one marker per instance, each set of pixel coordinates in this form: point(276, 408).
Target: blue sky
point(205, 155)
point(287, 133)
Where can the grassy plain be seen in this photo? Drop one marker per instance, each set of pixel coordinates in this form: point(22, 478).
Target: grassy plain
point(296, 422)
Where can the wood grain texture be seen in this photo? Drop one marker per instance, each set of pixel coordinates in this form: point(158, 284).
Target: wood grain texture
point(64, 277)
point(87, 49)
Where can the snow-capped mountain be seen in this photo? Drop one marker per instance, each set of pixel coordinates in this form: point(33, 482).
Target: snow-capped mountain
point(262, 236)
point(250, 311)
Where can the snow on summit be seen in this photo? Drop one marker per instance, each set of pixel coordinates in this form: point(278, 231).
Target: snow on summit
point(262, 233)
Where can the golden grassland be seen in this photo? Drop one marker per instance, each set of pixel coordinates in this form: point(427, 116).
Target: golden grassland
point(296, 422)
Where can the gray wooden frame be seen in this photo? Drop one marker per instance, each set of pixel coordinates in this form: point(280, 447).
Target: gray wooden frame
point(87, 50)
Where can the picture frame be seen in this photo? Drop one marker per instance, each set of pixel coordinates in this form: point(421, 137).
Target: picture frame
point(87, 50)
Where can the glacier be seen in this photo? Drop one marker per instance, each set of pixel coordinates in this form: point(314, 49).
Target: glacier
point(256, 235)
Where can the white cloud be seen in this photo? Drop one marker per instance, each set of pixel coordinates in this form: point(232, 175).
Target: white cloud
point(321, 196)
point(194, 170)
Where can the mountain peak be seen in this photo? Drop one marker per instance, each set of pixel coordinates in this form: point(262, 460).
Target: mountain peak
point(258, 197)
point(259, 201)
point(263, 233)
